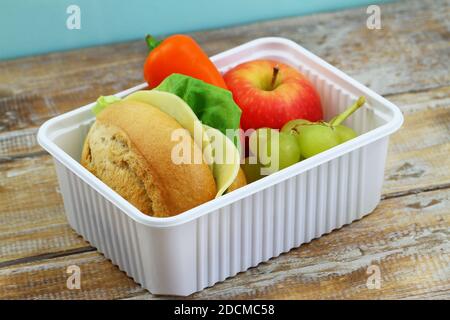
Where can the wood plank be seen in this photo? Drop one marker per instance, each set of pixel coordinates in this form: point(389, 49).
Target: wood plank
point(32, 220)
point(407, 237)
point(19, 144)
point(29, 110)
point(47, 279)
point(36, 88)
point(418, 152)
point(64, 70)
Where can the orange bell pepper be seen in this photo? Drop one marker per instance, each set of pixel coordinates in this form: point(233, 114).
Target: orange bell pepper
point(179, 54)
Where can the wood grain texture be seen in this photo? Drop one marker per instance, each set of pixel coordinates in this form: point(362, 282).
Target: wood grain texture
point(32, 220)
point(407, 236)
point(418, 153)
point(47, 279)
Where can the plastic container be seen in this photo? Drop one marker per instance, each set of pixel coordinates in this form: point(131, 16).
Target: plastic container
point(188, 252)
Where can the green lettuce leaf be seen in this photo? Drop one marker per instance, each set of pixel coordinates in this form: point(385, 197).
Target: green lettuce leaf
point(214, 106)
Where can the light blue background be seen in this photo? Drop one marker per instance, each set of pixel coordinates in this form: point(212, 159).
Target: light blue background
point(39, 26)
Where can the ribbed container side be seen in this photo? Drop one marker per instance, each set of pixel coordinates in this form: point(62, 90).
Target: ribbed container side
point(101, 223)
point(281, 217)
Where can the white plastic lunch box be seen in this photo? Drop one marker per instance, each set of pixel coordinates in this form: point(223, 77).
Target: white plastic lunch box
point(193, 250)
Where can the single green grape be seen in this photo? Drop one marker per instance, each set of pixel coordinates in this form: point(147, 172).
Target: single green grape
point(288, 151)
point(315, 138)
point(344, 133)
point(274, 150)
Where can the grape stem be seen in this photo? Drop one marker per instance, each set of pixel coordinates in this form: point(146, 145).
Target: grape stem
point(344, 115)
point(276, 69)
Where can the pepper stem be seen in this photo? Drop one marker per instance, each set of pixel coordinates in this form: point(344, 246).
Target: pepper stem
point(344, 115)
point(276, 69)
point(151, 41)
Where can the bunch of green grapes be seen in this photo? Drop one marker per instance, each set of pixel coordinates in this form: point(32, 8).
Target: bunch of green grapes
point(298, 139)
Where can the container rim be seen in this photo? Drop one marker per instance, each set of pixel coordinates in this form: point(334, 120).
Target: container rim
point(391, 126)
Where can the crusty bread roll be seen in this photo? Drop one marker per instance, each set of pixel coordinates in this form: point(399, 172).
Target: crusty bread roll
point(129, 148)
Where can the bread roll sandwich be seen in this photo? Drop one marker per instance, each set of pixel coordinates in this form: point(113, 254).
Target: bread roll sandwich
point(131, 148)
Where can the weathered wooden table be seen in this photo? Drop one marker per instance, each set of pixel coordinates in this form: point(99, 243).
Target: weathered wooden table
point(407, 236)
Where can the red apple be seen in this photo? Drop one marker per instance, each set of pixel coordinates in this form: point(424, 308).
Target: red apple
point(271, 93)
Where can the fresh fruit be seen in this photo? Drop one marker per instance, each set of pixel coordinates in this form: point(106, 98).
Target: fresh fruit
point(275, 150)
point(289, 150)
point(271, 93)
point(316, 137)
point(344, 133)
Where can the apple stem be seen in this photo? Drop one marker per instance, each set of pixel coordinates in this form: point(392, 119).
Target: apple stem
point(344, 115)
point(276, 69)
